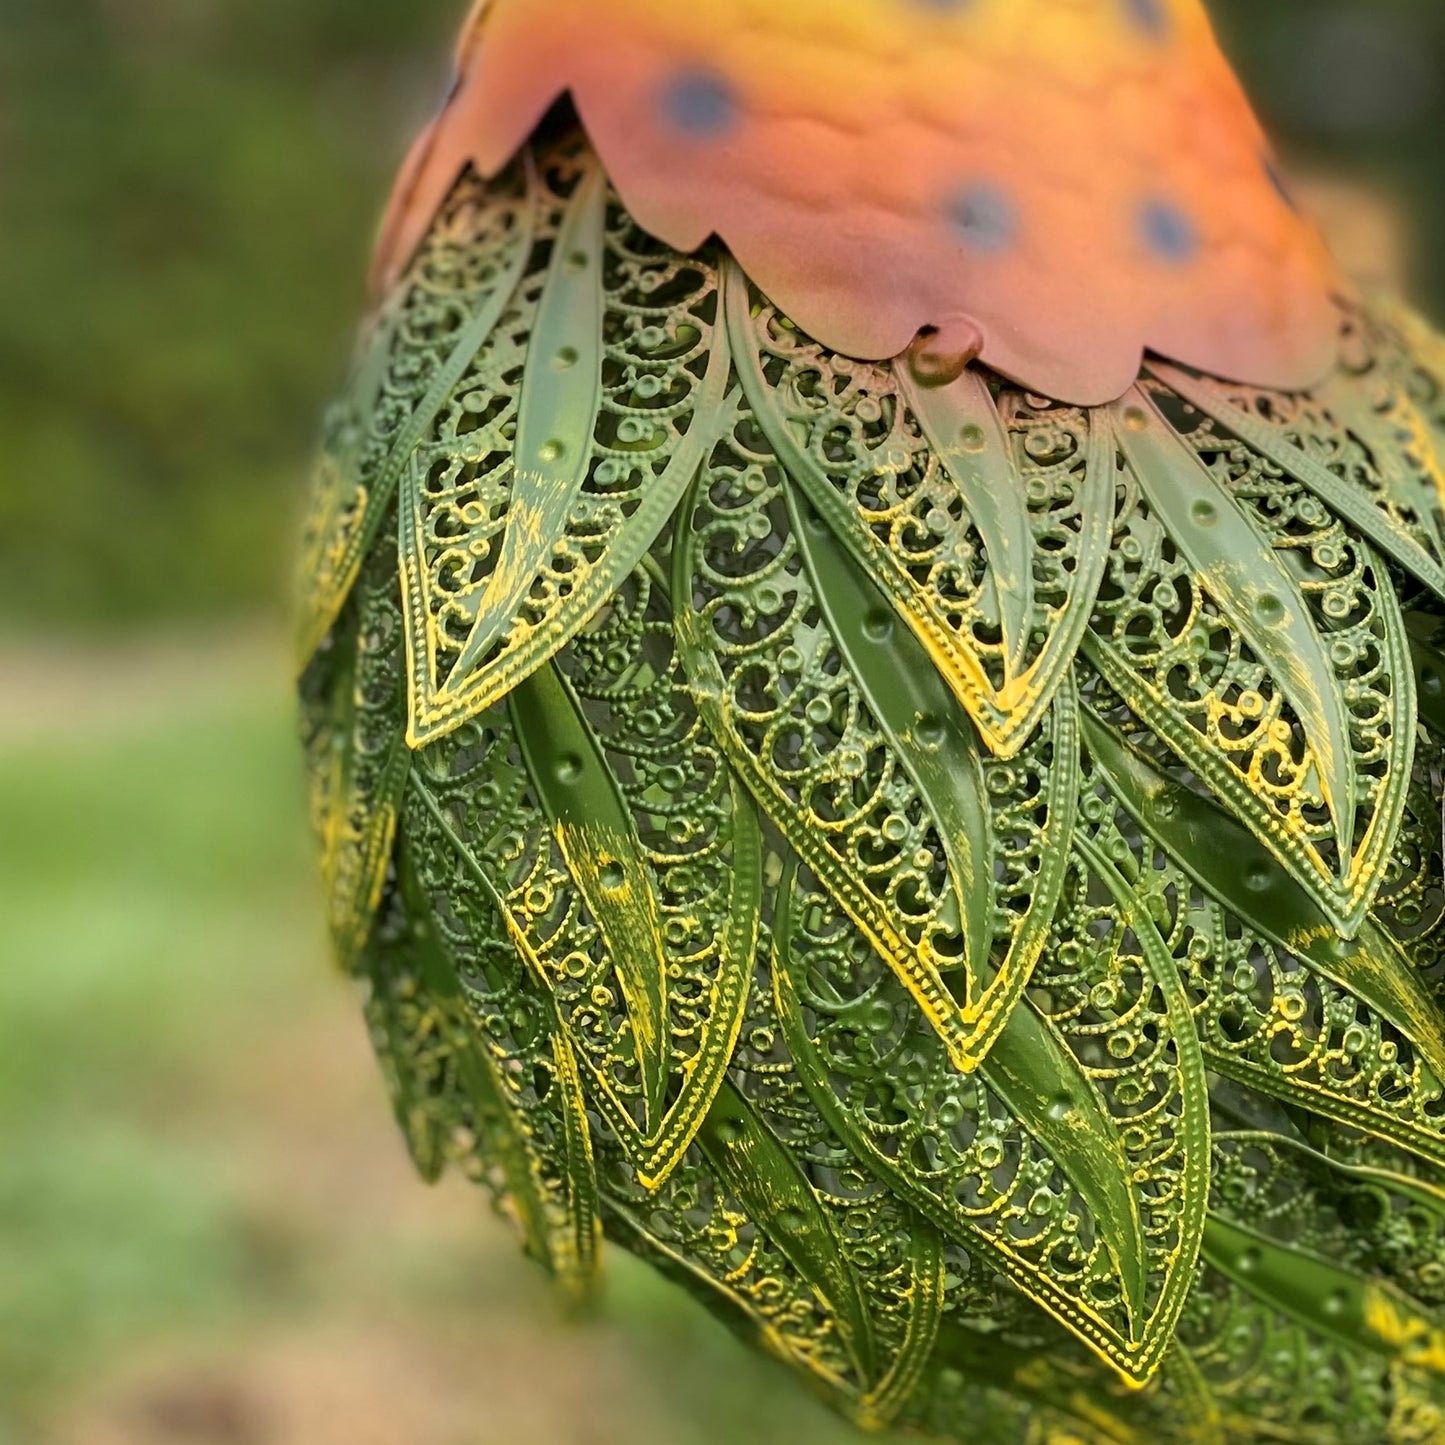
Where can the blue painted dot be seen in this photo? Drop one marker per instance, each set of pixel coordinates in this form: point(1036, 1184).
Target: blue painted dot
point(1151, 16)
point(984, 217)
point(700, 103)
point(1168, 232)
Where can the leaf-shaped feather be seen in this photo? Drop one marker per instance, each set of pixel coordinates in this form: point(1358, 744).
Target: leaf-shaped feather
point(1293, 703)
point(1316, 1389)
point(884, 1084)
point(450, 303)
point(519, 1106)
point(1044, 1088)
point(562, 453)
point(857, 1267)
point(604, 857)
point(926, 1277)
point(933, 738)
point(1362, 1314)
point(1060, 1394)
point(975, 526)
point(834, 716)
point(1154, 1079)
point(561, 391)
point(1229, 863)
point(1380, 412)
point(627, 863)
point(770, 1183)
point(410, 1036)
point(1376, 1220)
point(359, 761)
point(1289, 1190)
point(1403, 488)
point(896, 1259)
point(1238, 569)
point(967, 436)
point(1282, 1003)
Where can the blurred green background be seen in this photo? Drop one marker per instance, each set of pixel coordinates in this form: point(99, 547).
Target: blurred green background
point(208, 1233)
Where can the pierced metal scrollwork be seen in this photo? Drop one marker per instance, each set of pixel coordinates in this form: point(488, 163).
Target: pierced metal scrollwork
point(954, 880)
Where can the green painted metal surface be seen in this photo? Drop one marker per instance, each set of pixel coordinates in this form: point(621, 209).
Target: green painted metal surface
point(953, 879)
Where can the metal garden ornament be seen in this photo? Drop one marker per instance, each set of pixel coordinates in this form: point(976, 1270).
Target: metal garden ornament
point(874, 688)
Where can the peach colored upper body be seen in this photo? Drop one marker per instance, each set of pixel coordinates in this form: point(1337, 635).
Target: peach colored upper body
point(1057, 185)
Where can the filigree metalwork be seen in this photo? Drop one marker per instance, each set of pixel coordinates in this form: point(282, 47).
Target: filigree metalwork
point(953, 879)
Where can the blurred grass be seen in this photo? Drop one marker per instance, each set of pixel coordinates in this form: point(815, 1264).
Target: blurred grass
point(209, 1231)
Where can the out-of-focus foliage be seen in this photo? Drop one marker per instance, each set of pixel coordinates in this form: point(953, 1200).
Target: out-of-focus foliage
point(1356, 88)
point(189, 191)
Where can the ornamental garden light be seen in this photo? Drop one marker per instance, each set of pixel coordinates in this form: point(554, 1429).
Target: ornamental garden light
point(873, 681)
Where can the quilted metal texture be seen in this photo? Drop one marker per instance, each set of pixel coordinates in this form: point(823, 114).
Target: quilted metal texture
point(952, 877)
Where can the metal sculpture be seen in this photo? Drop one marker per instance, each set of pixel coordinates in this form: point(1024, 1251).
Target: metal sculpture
point(950, 874)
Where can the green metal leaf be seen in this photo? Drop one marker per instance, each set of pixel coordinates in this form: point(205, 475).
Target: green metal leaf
point(882, 1405)
point(1047, 1091)
point(589, 819)
point(1420, 1197)
point(967, 436)
point(410, 1037)
point(985, 526)
point(562, 455)
point(1400, 516)
point(1360, 1313)
point(1109, 1256)
point(450, 302)
point(835, 718)
point(1301, 725)
point(1262, 601)
point(1315, 1388)
point(1232, 866)
point(1062, 1394)
point(933, 738)
point(768, 1181)
point(1365, 1210)
point(359, 761)
point(539, 1135)
point(556, 415)
point(898, 1260)
point(1282, 1003)
point(627, 864)
point(465, 1092)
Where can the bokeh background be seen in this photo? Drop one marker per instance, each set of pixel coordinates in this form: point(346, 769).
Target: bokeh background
point(208, 1231)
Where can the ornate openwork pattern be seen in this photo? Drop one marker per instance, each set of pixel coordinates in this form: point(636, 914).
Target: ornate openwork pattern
point(1249, 634)
point(624, 862)
point(560, 454)
point(410, 358)
point(858, 754)
point(984, 518)
point(353, 694)
point(953, 879)
point(1282, 1004)
point(1094, 1208)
